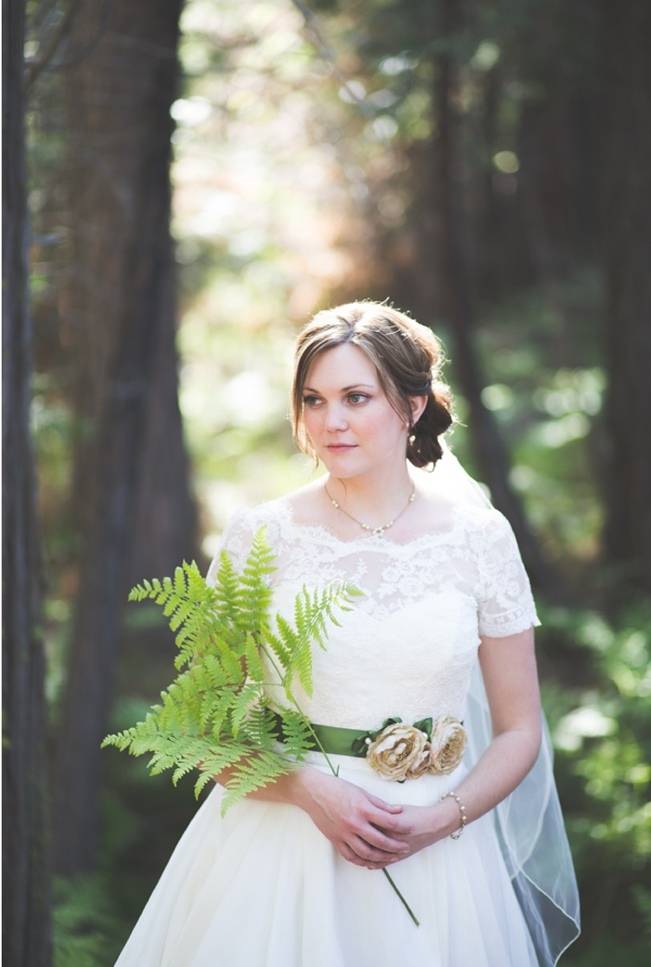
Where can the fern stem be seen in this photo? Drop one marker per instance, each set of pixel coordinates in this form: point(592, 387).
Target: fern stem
point(402, 899)
point(290, 696)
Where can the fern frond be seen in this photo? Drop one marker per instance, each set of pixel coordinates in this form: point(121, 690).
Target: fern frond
point(282, 653)
point(297, 735)
point(259, 728)
point(216, 712)
point(121, 740)
point(254, 666)
point(226, 589)
point(201, 783)
point(254, 772)
point(242, 705)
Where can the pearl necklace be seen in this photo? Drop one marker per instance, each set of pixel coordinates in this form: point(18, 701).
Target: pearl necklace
point(376, 531)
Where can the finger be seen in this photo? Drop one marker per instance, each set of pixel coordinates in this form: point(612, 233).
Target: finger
point(369, 853)
point(349, 855)
point(352, 857)
point(387, 823)
point(391, 807)
point(388, 844)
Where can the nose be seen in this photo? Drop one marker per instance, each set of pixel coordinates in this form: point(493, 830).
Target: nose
point(335, 418)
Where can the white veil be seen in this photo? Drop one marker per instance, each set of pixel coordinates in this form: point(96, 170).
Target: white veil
point(529, 821)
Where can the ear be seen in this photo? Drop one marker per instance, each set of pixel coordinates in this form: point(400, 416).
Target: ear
point(418, 404)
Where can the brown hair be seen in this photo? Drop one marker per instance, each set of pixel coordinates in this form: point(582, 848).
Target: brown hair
point(408, 358)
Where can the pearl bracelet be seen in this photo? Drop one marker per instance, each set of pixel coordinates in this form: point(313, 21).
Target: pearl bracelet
point(462, 810)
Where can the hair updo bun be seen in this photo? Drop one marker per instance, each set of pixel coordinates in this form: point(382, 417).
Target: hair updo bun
point(423, 445)
point(408, 358)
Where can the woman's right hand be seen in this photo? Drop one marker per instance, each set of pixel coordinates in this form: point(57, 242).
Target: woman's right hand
point(349, 816)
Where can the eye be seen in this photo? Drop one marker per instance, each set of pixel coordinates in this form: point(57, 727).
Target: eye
point(354, 398)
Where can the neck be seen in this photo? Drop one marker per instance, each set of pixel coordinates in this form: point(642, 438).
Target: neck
point(376, 497)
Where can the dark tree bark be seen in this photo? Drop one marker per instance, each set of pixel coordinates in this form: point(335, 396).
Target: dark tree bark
point(26, 925)
point(131, 486)
point(457, 297)
point(627, 252)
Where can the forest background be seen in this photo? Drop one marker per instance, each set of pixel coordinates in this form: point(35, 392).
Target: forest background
point(184, 185)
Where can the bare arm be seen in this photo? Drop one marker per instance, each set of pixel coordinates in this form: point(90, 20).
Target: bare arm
point(293, 787)
point(511, 680)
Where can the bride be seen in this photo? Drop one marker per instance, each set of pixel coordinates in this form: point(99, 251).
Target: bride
point(474, 840)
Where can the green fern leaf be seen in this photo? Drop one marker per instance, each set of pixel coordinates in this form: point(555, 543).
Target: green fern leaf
point(242, 705)
point(253, 773)
point(253, 661)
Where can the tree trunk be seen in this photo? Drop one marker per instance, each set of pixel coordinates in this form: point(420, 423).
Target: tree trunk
point(491, 454)
point(627, 223)
point(122, 312)
point(26, 925)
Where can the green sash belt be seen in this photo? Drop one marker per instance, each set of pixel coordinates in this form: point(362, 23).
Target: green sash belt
point(333, 739)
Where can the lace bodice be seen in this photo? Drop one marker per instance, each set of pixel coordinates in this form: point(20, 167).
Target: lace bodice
point(409, 645)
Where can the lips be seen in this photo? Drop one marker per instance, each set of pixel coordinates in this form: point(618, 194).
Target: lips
point(341, 446)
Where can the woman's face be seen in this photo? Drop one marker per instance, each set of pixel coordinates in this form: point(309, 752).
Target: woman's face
point(347, 417)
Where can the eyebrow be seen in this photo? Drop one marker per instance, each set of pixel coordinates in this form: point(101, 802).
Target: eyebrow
point(343, 388)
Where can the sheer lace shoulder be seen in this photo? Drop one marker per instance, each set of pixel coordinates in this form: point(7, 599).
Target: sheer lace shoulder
point(236, 540)
point(505, 600)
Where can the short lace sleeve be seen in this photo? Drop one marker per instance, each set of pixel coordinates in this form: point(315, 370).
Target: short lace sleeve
point(236, 539)
point(505, 601)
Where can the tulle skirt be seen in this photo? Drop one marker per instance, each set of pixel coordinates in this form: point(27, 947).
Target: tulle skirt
point(263, 887)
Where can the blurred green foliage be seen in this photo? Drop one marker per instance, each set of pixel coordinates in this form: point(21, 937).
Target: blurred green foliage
point(602, 736)
point(87, 926)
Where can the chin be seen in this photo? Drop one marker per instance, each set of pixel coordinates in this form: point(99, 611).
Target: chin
point(346, 467)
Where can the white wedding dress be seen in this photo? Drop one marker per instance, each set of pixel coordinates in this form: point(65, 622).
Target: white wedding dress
point(263, 887)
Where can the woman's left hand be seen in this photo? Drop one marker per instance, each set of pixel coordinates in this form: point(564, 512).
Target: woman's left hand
point(420, 826)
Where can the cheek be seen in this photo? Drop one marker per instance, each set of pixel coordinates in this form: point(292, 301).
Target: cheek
point(310, 421)
point(380, 420)
point(371, 423)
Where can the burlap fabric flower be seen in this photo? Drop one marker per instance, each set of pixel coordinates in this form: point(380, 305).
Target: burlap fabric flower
point(447, 744)
point(399, 752)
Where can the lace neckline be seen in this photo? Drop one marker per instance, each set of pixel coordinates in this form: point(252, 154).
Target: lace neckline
point(372, 542)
